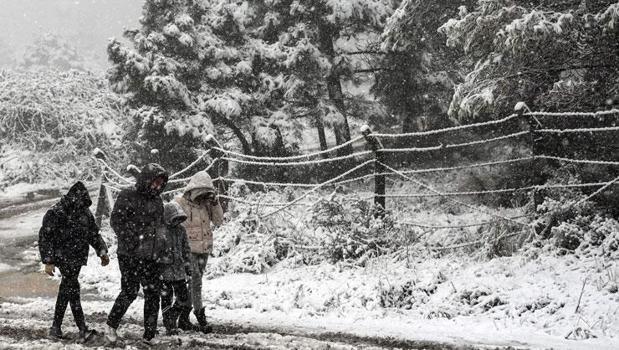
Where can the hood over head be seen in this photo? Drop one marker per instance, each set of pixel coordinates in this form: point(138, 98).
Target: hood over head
point(77, 196)
point(149, 173)
point(173, 214)
point(199, 183)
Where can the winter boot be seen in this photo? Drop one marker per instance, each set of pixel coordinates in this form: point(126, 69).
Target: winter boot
point(85, 334)
point(55, 332)
point(204, 326)
point(110, 335)
point(184, 323)
point(169, 321)
point(149, 338)
point(151, 341)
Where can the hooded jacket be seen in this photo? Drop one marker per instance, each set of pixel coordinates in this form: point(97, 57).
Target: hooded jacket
point(68, 229)
point(200, 217)
point(175, 257)
point(137, 216)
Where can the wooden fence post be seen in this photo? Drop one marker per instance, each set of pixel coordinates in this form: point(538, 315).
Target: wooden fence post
point(104, 207)
point(379, 169)
point(533, 125)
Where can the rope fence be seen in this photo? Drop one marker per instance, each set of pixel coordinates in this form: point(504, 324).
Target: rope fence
point(115, 182)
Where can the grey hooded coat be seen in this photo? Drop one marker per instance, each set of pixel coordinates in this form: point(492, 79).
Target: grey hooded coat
point(175, 258)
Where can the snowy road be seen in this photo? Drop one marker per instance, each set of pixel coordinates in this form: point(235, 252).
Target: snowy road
point(24, 326)
point(31, 334)
point(248, 311)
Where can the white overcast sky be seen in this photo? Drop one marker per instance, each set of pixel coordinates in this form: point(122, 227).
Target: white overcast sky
point(87, 24)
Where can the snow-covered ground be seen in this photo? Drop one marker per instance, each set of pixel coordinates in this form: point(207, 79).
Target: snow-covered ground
point(528, 300)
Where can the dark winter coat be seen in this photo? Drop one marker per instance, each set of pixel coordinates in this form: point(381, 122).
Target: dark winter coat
point(175, 259)
point(68, 229)
point(137, 216)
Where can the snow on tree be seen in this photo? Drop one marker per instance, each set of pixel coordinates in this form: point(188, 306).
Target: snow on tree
point(160, 79)
point(249, 68)
point(551, 55)
point(420, 71)
point(56, 120)
point(309, 32)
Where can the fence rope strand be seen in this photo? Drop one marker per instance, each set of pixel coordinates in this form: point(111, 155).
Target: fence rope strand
point(453, 200)
point(178, 173)
point(572, 114)
point(290, 158)
point(456, 145)
point(318, 161)
point(454, 128)
point(319, 186)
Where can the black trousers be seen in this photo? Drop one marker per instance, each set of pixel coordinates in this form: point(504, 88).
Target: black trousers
point(69, 293)
point(135, 272)
point(177, 291)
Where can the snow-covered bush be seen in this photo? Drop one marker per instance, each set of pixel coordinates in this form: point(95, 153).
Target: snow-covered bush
point(52, 120)
point(572, 224)
point(354, 231)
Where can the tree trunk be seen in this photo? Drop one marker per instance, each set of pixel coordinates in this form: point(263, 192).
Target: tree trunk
point(320, 126)
point(236, 130)
point(334, 87)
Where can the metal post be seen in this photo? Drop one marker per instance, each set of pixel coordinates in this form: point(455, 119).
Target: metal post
point(379, 169)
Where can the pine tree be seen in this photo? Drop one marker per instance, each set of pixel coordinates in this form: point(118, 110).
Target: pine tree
point(552, 55)
point(310, 32)
point(419, 70)
point(253, 68)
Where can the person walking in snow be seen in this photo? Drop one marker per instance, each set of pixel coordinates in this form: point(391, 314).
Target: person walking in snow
point(201, 204)
point(67, 231)
point(137, 219)
point(176, 268)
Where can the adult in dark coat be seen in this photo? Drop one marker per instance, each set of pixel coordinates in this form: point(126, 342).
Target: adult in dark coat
point(137, 219)
point(67, 231)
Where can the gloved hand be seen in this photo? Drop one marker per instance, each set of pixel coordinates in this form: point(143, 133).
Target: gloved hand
point(188, 271)
point(105, 260)
point(212, 198)
point(49, 269)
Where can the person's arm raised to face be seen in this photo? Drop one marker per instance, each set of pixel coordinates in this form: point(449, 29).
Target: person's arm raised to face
point(216, 211)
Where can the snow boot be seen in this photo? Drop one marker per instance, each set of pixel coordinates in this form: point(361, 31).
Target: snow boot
point(169, 321)
point(184, 323)
point(149, 338)
point(55, 332)
point(85, 335)
point(151, 341)
point(204, 326)
point(110, 335)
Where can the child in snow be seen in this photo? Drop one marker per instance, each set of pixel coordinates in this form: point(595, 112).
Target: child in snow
point(68, 229)
point(176, 268)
